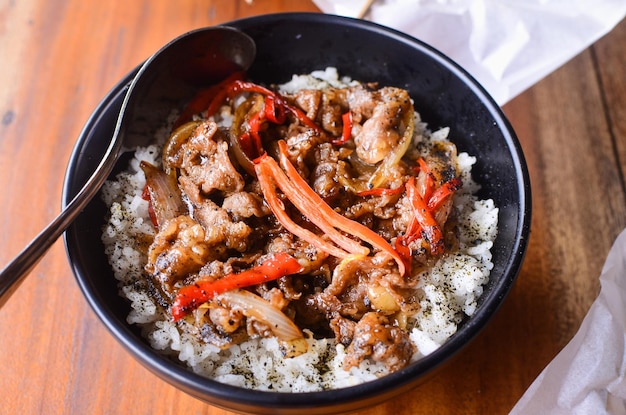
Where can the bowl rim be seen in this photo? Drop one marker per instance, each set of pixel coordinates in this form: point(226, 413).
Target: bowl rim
point(232, 397)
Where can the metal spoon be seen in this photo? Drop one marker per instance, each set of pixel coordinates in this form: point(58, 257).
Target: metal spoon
point(168, 78)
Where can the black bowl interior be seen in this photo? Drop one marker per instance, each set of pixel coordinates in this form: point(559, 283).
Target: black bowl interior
point(444, 94)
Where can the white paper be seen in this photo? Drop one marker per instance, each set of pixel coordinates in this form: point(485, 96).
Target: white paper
point(507, 45)
point(587, 376)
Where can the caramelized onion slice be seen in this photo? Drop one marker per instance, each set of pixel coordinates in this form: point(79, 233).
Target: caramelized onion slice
point(379, 177)
point(175, 141)
point(254, 306)
point(165, 198)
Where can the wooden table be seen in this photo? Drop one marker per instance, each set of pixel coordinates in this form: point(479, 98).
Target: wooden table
point(59, 58)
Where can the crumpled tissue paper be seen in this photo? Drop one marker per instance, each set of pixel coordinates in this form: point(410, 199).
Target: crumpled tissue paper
point(588, 375)
point(506, 45)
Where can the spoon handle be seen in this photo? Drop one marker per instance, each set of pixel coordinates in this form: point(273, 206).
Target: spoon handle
point(17, 270)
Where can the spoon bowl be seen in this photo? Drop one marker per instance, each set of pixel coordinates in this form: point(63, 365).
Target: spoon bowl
point(169, 77)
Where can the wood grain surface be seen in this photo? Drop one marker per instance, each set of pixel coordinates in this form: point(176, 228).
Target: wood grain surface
point(59, 58)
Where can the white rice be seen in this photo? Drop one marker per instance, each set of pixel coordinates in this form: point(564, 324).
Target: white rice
point(450, 289)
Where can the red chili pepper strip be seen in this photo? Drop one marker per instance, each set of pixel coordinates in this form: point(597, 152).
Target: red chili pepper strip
point(402, 242)
point(402, 248)
point(192, 296)
point(229, 91)
point(265, 175)
point(381, 192)
point(204, 98)
point(251, 140)
point(443, 192)
point(274, 112)
point(347, 129)
point(303, 118)
point(301, 196)
point(430, 227)
point(241, 86)
point(219, 99)
point(246, 86)
point(314, 203)
point(238, 86)
point(197, 104)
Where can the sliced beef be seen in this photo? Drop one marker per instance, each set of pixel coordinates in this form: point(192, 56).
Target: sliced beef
point(376, 337)
point(178, 249)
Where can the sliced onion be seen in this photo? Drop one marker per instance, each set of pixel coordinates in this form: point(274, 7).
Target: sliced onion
point(175, 141)
point(165, 197)
point(359, 165)
point(254, 306)
point(380, 176)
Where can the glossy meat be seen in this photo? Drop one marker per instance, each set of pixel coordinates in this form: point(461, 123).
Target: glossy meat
point(364, 301)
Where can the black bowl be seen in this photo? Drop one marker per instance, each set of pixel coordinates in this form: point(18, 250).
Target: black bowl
point(444, 94)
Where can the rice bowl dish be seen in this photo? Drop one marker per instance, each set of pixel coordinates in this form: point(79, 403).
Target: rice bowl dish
point(295, 43)
point(445, 292)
